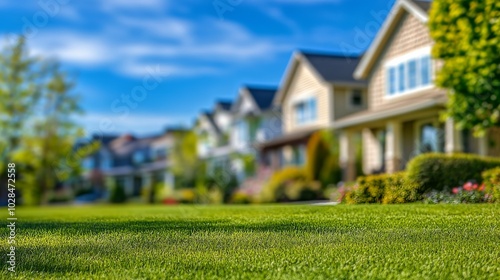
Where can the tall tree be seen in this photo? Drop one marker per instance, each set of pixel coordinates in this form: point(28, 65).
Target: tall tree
point(467, 40)
point(36, 121)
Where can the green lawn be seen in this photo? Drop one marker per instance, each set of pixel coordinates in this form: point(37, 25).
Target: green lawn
point(278, 242)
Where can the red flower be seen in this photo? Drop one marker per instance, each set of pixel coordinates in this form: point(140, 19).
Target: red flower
point(481, 188)
point(475, 186)
point(468, 186)
point(455, 190)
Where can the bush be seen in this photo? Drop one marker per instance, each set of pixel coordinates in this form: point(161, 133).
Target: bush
point(240, 198)
point(368, 189)
point(383, 188)
point(442, 172)
point(398, 191)
point(117, 194)
point(288, 184)
point(491, 179)
point(186, 196)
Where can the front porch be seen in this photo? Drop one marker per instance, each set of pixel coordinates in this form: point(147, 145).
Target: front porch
point(390, 143)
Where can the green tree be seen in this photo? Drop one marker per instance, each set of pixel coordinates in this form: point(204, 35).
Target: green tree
point(467, 40)
point(185, 162)
point(322, 158)
point(36, 120)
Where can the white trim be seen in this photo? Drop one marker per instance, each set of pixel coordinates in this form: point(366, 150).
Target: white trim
point(360, 71)
point(416, 55)
point(304, 99)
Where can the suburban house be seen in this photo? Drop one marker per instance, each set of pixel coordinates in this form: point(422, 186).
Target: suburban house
point(402, 118)
point(213, 129)
point(317, 90)
point(255, 120)
point(130, 162)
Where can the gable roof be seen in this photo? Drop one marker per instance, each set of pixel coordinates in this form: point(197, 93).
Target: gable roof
point(333, 68)
point(224, 105)
point(423, 4)
point(210, 117)
point(330, 68)
point(263, 97)
point(417, 8)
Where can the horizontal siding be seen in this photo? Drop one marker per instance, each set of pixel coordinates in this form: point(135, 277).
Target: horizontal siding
point(410, 35)
point(305, 82)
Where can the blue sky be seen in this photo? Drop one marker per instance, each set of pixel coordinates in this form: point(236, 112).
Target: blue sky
point(177, 57)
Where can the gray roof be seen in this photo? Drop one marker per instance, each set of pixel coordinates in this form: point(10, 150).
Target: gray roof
point(263, 96)
point(210, 118)
point(224, 105)
point(422, 4)
point(334, 67)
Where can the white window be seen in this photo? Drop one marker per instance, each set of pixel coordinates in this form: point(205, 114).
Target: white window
point(409, 73)
point(306, 111)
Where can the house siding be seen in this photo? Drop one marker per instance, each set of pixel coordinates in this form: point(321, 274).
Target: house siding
point(342, 102)
point(306, 83)
point(411, 34)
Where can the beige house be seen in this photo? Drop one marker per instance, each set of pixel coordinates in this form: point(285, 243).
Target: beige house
point(402, 118)
point(317, 90)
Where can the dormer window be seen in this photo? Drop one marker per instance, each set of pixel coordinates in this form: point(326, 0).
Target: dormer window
point(409, 73)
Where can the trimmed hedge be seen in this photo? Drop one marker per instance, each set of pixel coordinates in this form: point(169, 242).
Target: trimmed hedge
point(491, 180)
point(439, 172)
point(383, 188)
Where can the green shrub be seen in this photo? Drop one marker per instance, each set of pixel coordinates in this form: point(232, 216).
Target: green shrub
point(240, 198)
point(322, 163)
point(383, 188)
point(443, 172)
point(276, 190)
point(117, 194)
point(491, 180)
point(398, 191)
point(368, 189)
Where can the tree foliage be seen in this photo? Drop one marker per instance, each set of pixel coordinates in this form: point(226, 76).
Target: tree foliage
point(322, 158)
point(467, 40)
point(37, 131)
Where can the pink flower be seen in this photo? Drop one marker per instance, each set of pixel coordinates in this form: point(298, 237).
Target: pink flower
point(468, 186)
point(455, 190)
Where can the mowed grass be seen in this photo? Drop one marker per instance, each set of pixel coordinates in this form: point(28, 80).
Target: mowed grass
point(254, 242)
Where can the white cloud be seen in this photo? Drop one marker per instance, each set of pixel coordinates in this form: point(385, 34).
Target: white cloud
point(183, 49)
point(113, 5)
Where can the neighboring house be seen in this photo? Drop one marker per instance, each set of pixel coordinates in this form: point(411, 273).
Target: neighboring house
point(317, 90)
point(213, 131)
point(255, 120)
point(130, 162)
point(403, 114)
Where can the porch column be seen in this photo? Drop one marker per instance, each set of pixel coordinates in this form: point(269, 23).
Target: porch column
point(169, 180)
point(129, 185)
point(483, 144)
point(453, 138)
point(394, 147)
point(347, 156)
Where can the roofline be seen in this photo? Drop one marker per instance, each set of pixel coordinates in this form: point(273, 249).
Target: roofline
point(376, 116)
point(297, 57)
point(363, 68)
